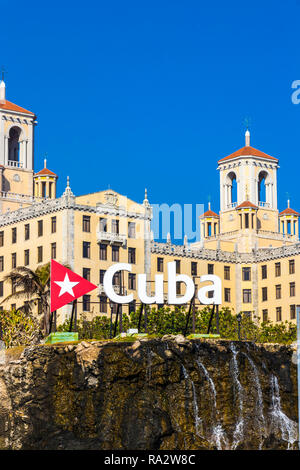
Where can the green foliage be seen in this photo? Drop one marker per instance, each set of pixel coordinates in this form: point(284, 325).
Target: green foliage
point(18, 328)
point(167, 320)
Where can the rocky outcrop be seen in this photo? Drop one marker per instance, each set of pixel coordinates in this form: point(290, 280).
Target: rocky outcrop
point(149, 394)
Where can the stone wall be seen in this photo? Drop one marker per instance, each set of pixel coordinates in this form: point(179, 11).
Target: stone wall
point(149, 394)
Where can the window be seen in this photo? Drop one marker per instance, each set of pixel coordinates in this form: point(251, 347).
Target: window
point(278, 313)
point(132, 306)
point(86, 303)
point(292, 312)
point(1, 263)
point(40, 254)
point(117, 279)
point(291, 266)
point(103, 224)
point(86, 223)
point(115, 253)
point(40, 228)
point(264, 294)
point(131, 255)
point(131, 281)
point(227, 273)
point(178, 288)
point(86, 273)
point(210, 294)
point(265, 315)
point(292, 289)
point(247, 296)
point(86, 249)
point(131, 229)
point(53, 224)
point(103, 252)
point(160, 265)
point(210, 269)
point(278, 291)
point(2, 238)
point(115, 226)
point(14, 260)
point(26, 257)
point(101, 276)
point(177, 261)
point(246, 274)
point(103, 304)
point(264, 272)
point(227, 294)
point(193, 268)
point(277, 269)
point(14, 235)
point(1, 288)
point(27, 231)
point(53, 250)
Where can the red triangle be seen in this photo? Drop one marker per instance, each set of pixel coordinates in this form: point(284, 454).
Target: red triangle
point(66, 285)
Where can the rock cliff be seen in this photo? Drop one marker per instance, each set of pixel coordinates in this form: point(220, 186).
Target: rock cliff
point(149, 394)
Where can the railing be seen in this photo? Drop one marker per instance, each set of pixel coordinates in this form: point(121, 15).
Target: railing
point(111, 237)
point(20, 197)
point(116, 288)
point(231, 205)
point(15, 163)
point(264, 204)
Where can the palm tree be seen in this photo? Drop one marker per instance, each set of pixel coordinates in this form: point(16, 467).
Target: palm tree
point(33, 286)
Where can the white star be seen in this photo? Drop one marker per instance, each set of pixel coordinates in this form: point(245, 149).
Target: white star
point(66, 286)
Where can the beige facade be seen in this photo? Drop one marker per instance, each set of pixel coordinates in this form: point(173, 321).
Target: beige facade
point(252, 247)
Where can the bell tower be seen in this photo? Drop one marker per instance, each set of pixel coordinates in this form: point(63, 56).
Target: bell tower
point(16, 154)
point(248, 176)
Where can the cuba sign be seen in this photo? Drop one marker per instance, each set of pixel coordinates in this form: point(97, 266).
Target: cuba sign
point(215, 287)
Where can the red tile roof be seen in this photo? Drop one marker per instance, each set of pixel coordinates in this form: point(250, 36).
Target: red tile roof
point(246, 151)
point(45, 171)
point(13, 107)
point(289, 211)
point(209, 213)
point(247, 204)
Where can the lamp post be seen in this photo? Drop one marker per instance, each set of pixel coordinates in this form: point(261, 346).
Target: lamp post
point(239, 319)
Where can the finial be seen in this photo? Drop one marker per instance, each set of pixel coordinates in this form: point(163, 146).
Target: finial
point(247, 138)
point(168, 237)
point(288, 203)
point(185, 241)
point(45, 162)
point(68, 191)
point(209, 205)
point(146, 193)
point(2, 73)
point(68, 181)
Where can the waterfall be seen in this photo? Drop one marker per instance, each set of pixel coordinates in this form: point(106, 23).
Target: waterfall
point(218, 435)
point(238, 392)
point(210, 381)
point(288, 428)
point(198, 420)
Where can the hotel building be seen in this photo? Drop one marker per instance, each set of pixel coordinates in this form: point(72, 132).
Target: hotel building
point(250, 245)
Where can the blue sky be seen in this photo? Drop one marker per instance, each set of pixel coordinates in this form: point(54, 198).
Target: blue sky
point(151, 94)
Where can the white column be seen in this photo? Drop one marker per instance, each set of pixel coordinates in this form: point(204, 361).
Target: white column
point(5, 150)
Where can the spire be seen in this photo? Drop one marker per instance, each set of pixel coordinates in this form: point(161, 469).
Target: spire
point(68, 190)
point(247, 138)
point(2, 91)
point(146, 202)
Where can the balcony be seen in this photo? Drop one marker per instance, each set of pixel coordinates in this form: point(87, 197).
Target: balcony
point(263, 204)
point(15, 164)
point(111, 238)
point(116, 288)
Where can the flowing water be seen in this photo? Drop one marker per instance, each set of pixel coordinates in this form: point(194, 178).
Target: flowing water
point(238, 433)
point(198, 420)
point(288, 428)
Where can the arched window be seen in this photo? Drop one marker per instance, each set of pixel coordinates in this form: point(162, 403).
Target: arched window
point(232, 188)
point(262, 193)
point(13, 144)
